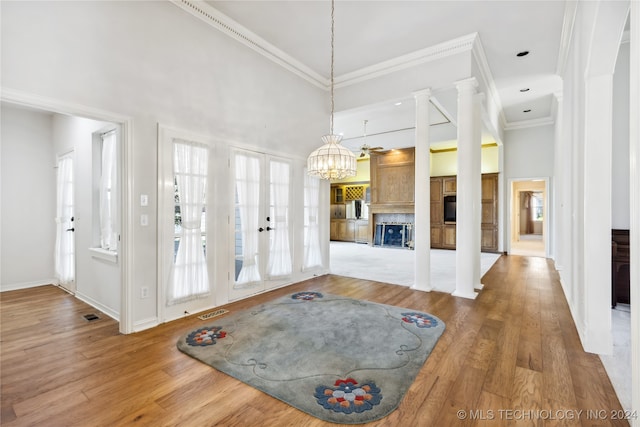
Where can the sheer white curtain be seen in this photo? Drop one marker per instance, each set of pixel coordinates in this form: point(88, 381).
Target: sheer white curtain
point(248, 199)
point(189, 276)
point(279, 249)
point(65, 243)
point(108, 196)
point(312, 251)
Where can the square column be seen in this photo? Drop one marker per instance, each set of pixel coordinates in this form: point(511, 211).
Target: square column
point(468, 192)
point(422, 207)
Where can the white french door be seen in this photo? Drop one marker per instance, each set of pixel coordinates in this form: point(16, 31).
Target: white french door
point(261, 225)
point(186, 224)
point(65, 253)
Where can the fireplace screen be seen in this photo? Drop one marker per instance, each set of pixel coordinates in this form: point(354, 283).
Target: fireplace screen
point(396, 235)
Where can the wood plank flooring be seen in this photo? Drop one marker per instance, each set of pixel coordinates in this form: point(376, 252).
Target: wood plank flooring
point(510, 357)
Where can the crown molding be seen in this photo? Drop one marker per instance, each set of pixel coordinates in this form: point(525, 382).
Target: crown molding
point(487, 78)
point(236, 31)
point(442, 50)
point(570, 9)
point(525, 124)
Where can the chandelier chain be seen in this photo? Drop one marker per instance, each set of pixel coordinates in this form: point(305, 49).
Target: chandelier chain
point(332, 40)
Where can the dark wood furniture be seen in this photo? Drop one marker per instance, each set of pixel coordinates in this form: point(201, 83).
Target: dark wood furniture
point(620, 273)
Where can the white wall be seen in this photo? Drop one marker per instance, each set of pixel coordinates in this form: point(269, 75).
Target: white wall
point(620, 150)
point(529, 152)
point(155, 63)
point(28, 199)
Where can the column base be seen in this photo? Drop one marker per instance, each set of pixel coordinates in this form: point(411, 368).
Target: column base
point(470, 295)
point(417, 287)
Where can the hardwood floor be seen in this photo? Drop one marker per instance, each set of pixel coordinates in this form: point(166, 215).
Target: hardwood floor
point(510, 357)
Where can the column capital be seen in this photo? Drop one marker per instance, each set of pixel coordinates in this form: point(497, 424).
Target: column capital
point(422, 92)
point(469, 84)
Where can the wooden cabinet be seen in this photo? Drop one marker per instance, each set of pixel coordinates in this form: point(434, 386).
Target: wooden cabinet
point(443, 235)
point(437, 206)
point(337, 195)
point(449, 236)
point(362, 231)
point(343, 229)
point(450, 184)
point(489, 213)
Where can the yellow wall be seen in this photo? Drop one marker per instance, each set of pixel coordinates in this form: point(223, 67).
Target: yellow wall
point(362, 175)
point(445, 163)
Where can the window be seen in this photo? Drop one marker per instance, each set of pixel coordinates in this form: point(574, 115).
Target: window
point(107, 190)
point(537, 207)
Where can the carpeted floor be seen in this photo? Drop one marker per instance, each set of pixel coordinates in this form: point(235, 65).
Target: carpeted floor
point(397, 266)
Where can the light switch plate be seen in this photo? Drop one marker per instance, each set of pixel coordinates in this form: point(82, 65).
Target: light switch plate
point(144, 200)
point(144, 220)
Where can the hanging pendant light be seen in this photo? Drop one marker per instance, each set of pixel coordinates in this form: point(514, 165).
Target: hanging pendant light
point(332, 160)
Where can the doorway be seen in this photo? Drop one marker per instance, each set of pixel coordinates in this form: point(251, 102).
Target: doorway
point(529, 218)
point(97, 277)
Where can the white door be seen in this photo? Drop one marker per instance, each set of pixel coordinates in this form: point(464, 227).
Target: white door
point(65, 256)
point(261, 231)
point(187, 255)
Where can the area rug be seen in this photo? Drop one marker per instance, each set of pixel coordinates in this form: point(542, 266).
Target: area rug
point(339, 359)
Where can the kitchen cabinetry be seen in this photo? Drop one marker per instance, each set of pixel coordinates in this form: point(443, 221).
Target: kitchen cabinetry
point(443, 233)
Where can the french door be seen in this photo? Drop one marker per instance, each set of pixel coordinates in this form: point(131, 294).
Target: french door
point(261, 226)
point(65, 253)
point(186, 224)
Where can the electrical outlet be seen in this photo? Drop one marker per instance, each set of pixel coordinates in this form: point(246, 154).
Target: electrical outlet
point(144, 292)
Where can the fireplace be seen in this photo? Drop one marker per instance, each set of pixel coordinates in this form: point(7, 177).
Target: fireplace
point(394, 230)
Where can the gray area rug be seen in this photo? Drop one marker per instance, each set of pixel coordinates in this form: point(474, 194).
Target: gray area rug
point(338, 359)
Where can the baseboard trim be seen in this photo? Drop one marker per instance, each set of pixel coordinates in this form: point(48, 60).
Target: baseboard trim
point(27, 285)
point(103, 308)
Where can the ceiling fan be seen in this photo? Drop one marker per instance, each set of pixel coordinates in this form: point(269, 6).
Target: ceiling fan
point(366, 149)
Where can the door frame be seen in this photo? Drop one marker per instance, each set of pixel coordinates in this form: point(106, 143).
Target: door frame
point(125, 159)
point(512, 221)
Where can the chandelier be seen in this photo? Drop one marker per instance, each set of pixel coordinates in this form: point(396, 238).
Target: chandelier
point(332, 160)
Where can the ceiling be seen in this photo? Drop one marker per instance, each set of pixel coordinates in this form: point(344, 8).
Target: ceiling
point(370, 32)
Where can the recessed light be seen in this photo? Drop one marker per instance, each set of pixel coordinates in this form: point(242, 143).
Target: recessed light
point(397, 103)
point(526, 111)
point(526, 89)
point(523, 53)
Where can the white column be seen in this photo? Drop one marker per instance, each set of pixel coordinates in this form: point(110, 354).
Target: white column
point(422, 210)
point(468, 191)
point(597, 212)
point(558, 186)
point(634, 154)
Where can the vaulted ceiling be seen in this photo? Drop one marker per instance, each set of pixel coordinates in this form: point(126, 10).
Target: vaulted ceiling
point(372, 32)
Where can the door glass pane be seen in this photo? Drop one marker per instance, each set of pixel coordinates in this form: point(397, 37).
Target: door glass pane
point(65, 241)
point(279, 248)
point(247, 208)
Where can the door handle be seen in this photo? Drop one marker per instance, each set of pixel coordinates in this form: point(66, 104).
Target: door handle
point(270, 228)
point(71, 229)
